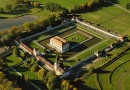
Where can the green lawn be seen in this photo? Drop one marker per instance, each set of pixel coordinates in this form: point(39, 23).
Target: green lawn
point(76, 37)
point(31, 75)
point(111, 17)
point(64, 3)
point(12, 60)
point(123, 3)
point(3, 2)
point(121, 74)
point(104, 78)
point(33, 45)
point(92, 49)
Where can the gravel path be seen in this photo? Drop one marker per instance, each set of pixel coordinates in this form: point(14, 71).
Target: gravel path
point(8, 23)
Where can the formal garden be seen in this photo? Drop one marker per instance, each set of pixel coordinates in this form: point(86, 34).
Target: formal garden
point(83, 43)
point(107, 72)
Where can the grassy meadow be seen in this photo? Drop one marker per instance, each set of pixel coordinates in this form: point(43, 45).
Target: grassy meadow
point(111, 17)
point(121, 72)
point(64, 3)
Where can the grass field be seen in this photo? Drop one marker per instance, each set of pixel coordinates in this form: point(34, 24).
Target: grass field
point(12, 60)
point(3, 2)
point(111, 17)
point(76, 38)
point(119, 77)
point(64, 3)
point(31, 75)
point(122, 3)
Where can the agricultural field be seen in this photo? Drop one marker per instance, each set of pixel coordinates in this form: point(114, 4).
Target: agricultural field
point(117, 74)
point(122, 3)
point(112, 17)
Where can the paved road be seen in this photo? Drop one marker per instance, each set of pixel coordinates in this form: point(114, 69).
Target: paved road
point(8, 23)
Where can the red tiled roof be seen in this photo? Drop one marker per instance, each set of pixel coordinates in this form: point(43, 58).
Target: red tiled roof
point(26, 47)
point(44, 60)
point(61, 39)
point(58, 40)
point(40, 58)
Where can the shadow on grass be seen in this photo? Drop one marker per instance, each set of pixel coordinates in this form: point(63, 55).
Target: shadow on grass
point(99, 7)
point(14, 78)
point(40, 84)
point(21, 69)
point(102, 71)
point(8, 61)
point(82, 86)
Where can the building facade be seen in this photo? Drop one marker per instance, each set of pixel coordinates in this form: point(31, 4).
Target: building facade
point(60, 44)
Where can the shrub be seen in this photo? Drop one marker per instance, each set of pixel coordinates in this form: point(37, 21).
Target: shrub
point(53, 7)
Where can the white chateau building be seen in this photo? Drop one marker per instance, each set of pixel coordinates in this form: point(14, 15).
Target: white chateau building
point(60, 44)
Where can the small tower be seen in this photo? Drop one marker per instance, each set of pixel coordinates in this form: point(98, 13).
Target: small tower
point(18, 40)
point(97, 53)
point(36, 51)
point(57, 68)
point(56, 65)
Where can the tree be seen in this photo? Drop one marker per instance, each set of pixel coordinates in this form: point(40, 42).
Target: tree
point(128, 6)
point(15, 52)
point(1, 10)
point(17, 2)
point(53, 7)
point(2, 64)
point(65, 85)
point(91, 69)
point(34, 68)
point(75, 88)
point(35, 4)
point(8, 7)
point(5, 84)
point(42, 73)
point(51, 81)
point(28, 26)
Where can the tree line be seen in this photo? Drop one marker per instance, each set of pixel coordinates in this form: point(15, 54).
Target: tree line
point(7, 8)
point(29, 28)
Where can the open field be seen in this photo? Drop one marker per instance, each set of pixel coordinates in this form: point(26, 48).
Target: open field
point(120, 75)
point(122, 3)
point(111, 17)
point(3, 2)
point(64, 3)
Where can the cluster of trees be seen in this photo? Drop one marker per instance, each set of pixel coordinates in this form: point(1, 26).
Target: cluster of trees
point(15, 51)
point(128, 6)
point(48, 77)
point(29, 28)
point(5, 84)
point(91, 5)
point(35, 4)
point(7, 8)
point(88, 6)
point(53, 7)
point(53, 82)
